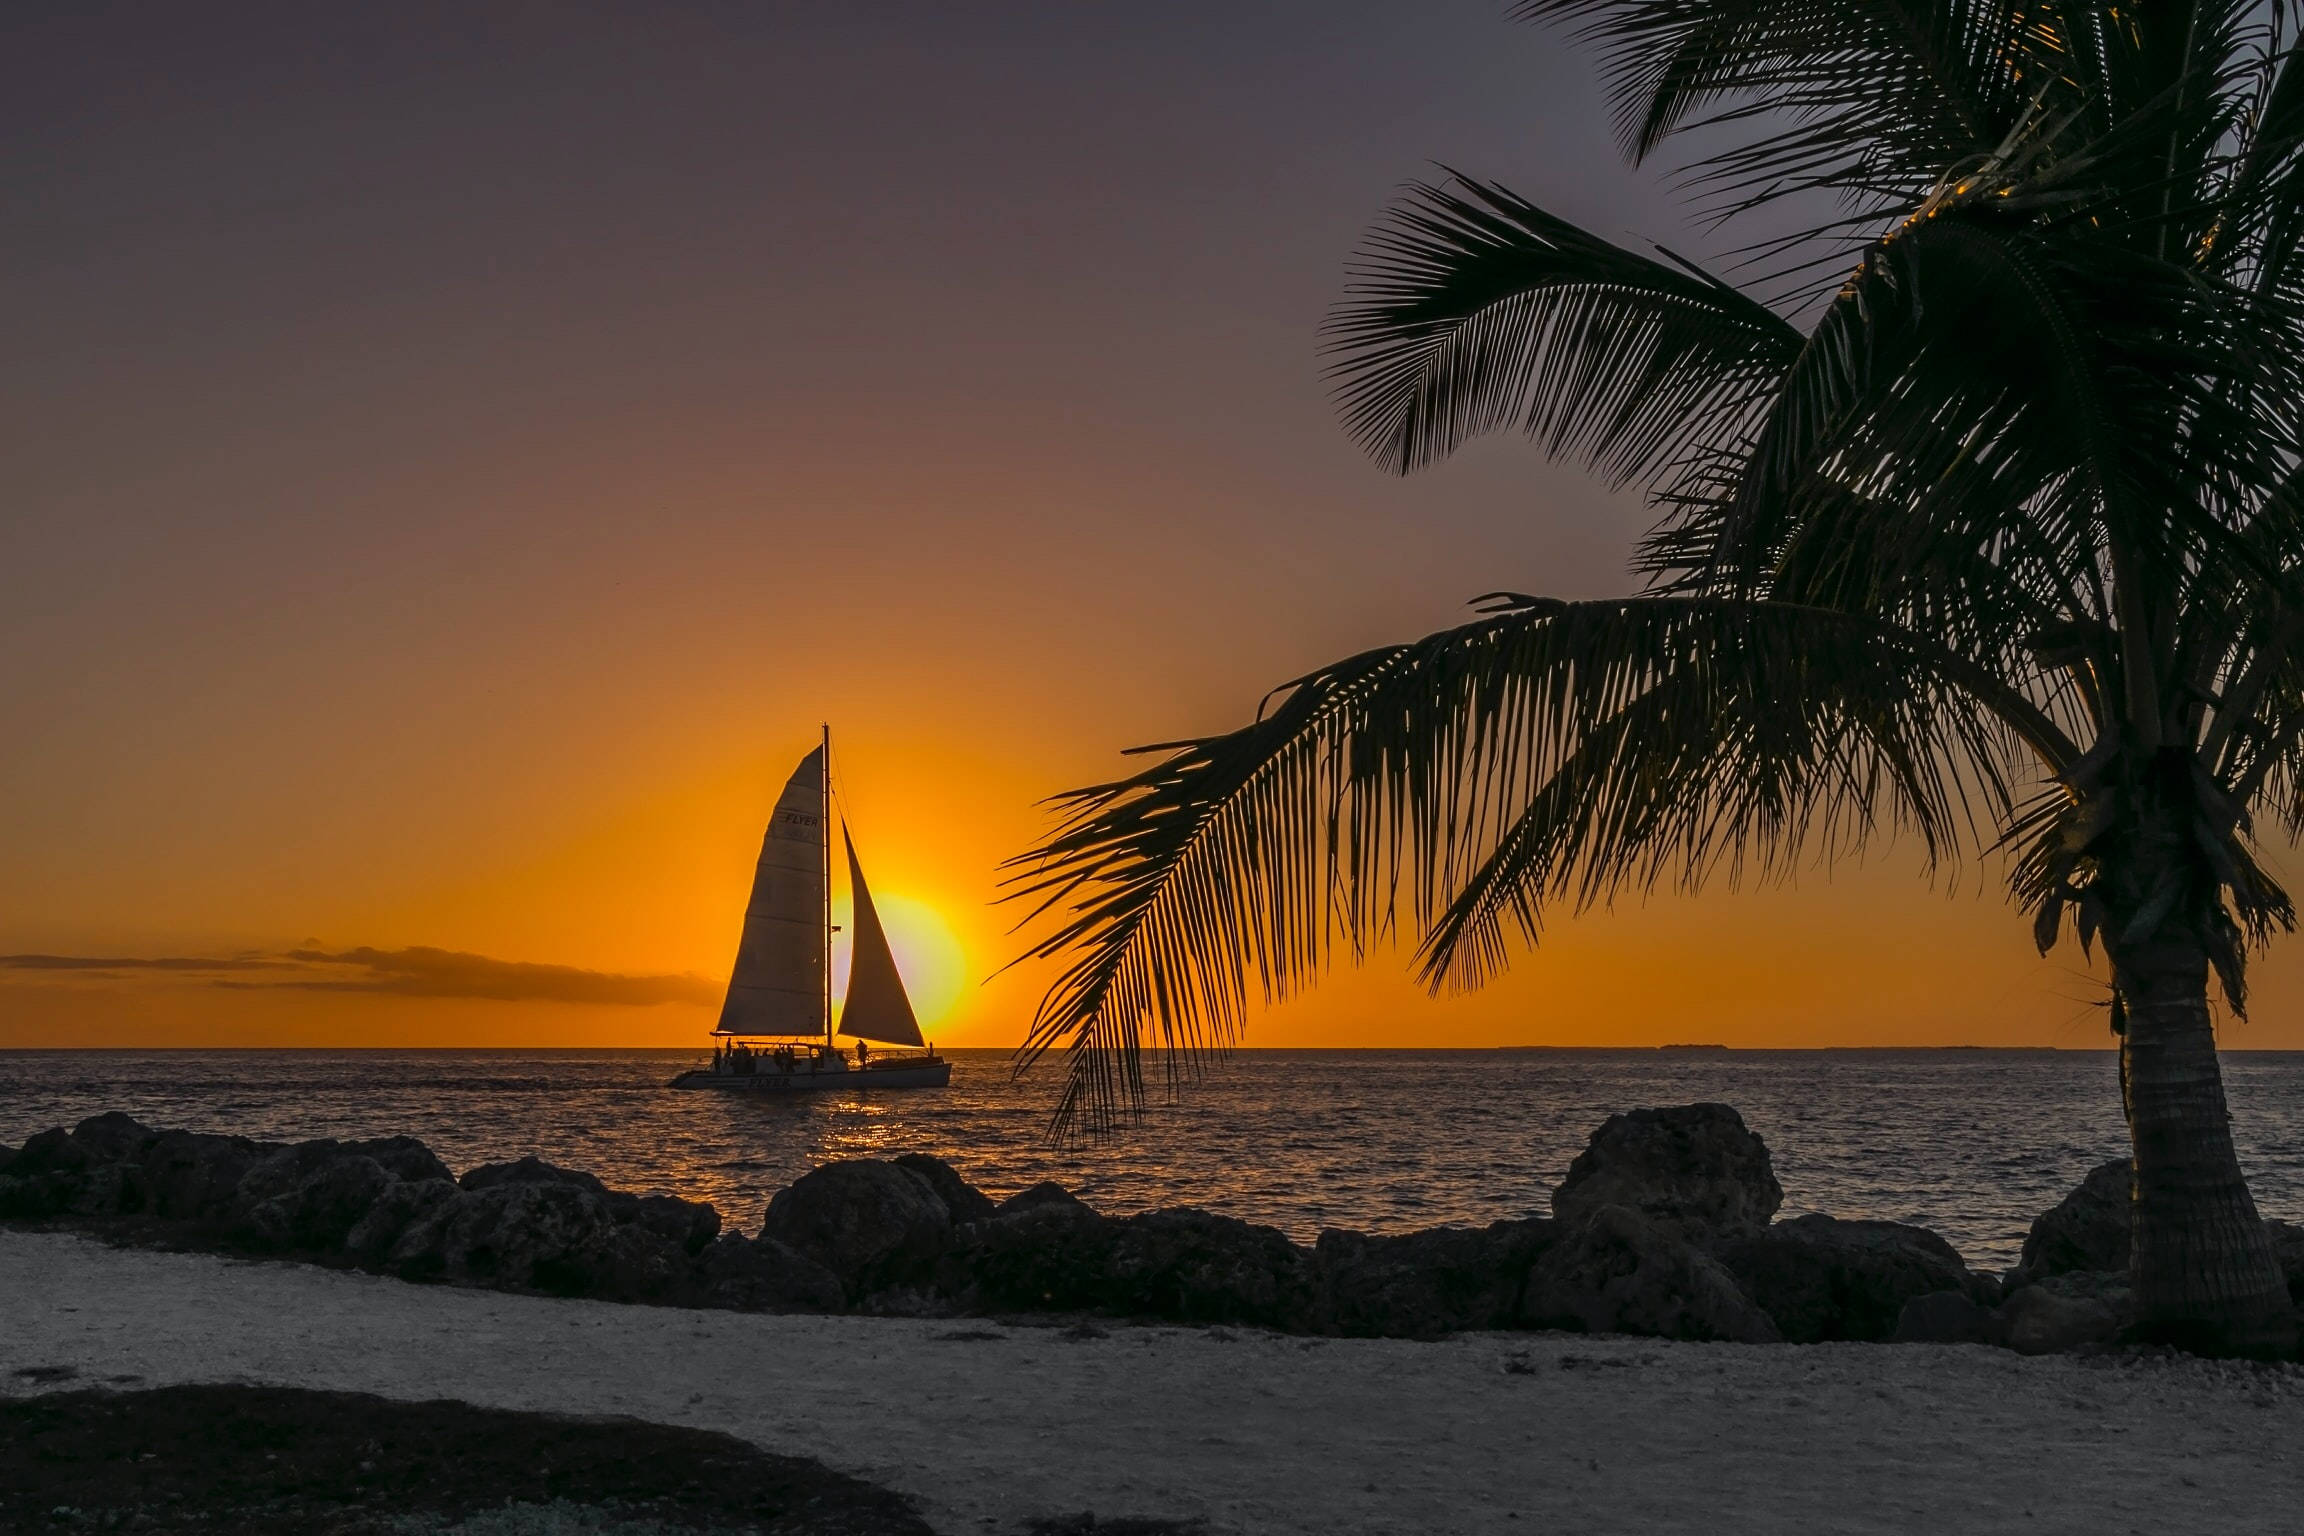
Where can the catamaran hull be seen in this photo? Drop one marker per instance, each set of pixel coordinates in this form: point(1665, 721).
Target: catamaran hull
point(928, 1074)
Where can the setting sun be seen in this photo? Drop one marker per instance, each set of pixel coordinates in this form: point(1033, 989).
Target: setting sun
point(929, 955)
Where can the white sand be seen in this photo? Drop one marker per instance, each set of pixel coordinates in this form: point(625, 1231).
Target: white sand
point(1257, 1433)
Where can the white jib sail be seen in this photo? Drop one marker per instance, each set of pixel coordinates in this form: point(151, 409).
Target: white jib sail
point(876, 1007)
point(777, 987)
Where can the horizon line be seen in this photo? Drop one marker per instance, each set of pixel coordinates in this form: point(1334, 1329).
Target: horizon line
point(1274, 1050)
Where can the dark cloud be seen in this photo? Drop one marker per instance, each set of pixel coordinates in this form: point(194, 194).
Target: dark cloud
point(420, 971)
point(426, 972)
point(117, 963)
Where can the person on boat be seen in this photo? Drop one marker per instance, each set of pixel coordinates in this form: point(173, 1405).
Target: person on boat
point(862, 1051)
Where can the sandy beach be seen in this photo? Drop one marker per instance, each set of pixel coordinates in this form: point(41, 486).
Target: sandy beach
point(986, 1425)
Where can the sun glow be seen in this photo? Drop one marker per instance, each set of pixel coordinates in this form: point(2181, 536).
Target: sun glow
point(929, 956)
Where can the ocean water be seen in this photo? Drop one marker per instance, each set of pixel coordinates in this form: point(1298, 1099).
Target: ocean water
point(1969, 1143)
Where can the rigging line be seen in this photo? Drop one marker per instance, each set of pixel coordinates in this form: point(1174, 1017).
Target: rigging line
point(835, 782)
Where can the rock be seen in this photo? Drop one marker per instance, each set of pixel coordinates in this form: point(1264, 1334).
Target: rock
point(190, 1176)
point(1819, 1278)
point(117, 1189)
point(458, 1239)
point(1948, 1317)
point(103, 1191)
point(964, 1200)
point(637, 1265)
point(690, 1224)
point(113, 1137)
point(1046, 1192)
point(387, 1201)
point(51, 1151)
point(41, 1196)
point(1695, 1167)
point(403, 1203)
point(762, 1275)
point(113, 1165)
point(2066, 1312)
point(1055, 1254)
point(286, 1168)
point(45, 1177)
point(316, 1212)
point(1049, 1256)
point(2086, 1230)
point(558, 1238)
point(871, 1223)
point(403, 1157)
point(316, 1195)
point(530, 1170)
point(1421, 1285)
point(1619, 1271)
point(7, 1156)
point(1195, 1266)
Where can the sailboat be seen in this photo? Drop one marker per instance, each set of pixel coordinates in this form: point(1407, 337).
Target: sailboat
point(775, 1033)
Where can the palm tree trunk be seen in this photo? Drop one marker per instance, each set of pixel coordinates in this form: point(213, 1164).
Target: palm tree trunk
point(2201, 1262)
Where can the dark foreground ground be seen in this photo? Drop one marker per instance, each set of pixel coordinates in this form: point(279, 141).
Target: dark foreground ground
point(276, 1461)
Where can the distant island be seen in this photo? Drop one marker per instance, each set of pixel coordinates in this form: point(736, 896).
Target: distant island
point(1691, 1047)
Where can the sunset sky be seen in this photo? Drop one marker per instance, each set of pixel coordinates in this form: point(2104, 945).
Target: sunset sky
point(459, 453)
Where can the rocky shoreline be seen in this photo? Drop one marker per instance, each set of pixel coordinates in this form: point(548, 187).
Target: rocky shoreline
point(1664, 1227)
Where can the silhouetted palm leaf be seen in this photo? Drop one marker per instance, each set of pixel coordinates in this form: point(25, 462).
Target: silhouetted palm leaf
point(1547, 746)
point(1476, 310)
point(1873, 92)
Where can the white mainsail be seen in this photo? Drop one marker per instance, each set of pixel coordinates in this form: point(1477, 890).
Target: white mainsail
point(876, 1008)
point(777, 987)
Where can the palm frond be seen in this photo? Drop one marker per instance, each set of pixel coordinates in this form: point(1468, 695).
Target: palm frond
point(1474, 310)
point(1869, 100)
point(1986, 412)
point(1763, 734)
point(1616, 743)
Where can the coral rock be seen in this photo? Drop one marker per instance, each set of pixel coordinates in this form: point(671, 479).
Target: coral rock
point(872, 1223)
point(1820, 1278)
point(1619, 1271)
point(1421, 1285)
point(1696, 1168)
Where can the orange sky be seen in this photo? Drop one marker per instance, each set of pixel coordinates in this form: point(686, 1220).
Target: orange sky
point(454, 467)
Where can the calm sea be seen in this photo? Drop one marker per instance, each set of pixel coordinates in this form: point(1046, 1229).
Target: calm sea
point(1970, 1143)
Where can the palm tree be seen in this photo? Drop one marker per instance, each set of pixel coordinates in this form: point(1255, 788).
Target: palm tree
point(1979, 522)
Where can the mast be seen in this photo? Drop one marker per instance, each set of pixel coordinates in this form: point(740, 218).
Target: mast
point(824, 846)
